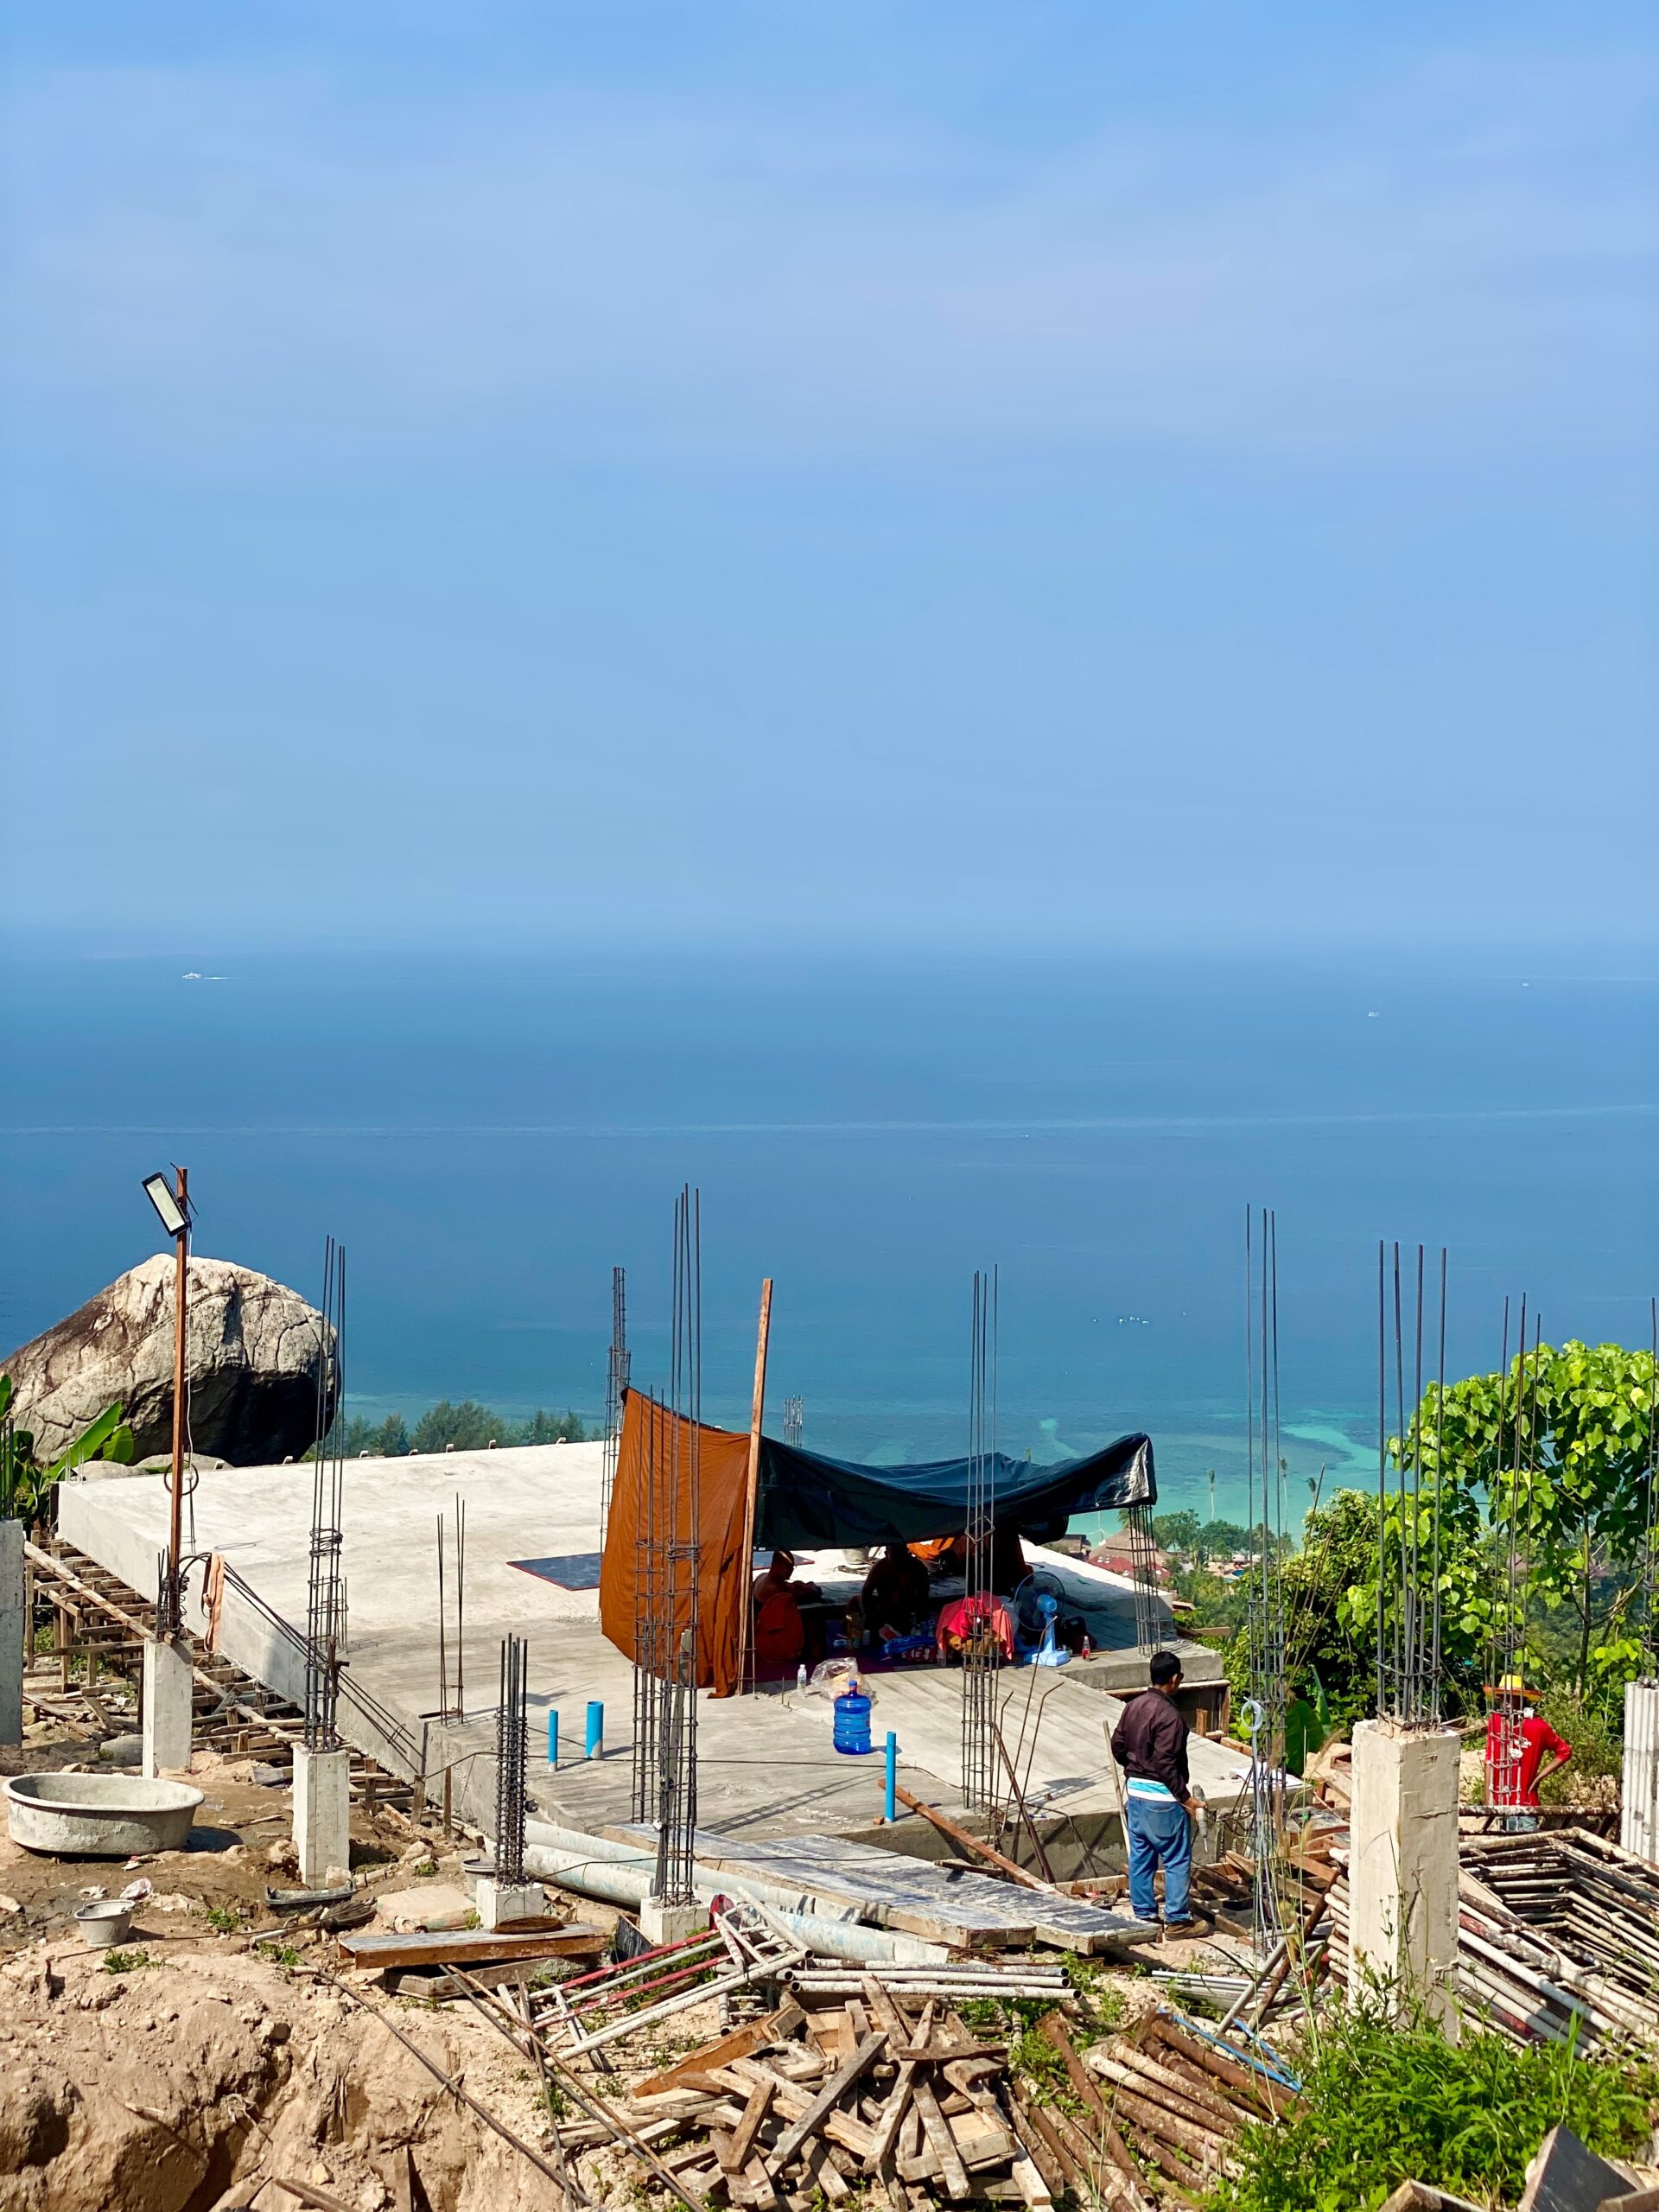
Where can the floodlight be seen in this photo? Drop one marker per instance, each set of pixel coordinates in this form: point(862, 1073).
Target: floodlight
point(159, 1192)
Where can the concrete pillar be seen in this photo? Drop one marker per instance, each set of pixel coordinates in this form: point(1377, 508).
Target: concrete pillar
point(322, 1816)
point(168, 1683)
point(662, 1923)
point(1638, 1826)
point(14, 1631)
point(1402, 1870)
point(499, 1904)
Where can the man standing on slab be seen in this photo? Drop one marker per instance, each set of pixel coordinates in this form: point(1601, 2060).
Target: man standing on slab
point(1150, 1743)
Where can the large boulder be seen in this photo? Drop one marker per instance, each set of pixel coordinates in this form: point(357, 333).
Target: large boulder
point(253, 1349)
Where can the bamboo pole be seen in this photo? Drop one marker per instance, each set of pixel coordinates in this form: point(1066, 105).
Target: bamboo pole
point(175, 1502)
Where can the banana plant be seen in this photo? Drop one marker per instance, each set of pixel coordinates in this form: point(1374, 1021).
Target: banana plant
point(26, 1486)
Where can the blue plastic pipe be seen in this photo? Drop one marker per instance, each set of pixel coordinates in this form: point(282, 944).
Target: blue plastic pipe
point(892, 1777)
point(552, 1738)
point(595, 1727)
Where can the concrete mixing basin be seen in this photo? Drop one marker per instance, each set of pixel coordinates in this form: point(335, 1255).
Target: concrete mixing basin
point(97, 1816)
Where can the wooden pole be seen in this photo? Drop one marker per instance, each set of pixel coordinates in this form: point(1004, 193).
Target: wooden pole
point(746, 1562)
point(175, 1504)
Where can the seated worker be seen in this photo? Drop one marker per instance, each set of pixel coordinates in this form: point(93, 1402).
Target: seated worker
point(780, 1629)
point(961, 1619)
point(894, 1596)
point(1150, 1743)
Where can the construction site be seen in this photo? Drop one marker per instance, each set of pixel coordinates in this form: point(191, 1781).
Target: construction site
point(685, 1815)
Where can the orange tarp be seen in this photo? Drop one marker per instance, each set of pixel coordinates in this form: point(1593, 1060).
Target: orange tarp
point(646, 1479)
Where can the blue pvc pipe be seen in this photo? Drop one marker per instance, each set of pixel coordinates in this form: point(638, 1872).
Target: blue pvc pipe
point(595, 1727)
point(892, 1777)
point(552, 1738)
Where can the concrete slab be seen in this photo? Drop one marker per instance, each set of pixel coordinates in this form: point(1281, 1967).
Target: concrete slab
point(766, 1763)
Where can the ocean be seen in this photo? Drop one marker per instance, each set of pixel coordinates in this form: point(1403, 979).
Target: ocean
point(489, 1135)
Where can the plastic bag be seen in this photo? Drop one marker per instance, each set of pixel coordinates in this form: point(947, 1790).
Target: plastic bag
point(829, 1678)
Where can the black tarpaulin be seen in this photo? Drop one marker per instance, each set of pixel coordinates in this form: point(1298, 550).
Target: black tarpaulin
point(806, 1500)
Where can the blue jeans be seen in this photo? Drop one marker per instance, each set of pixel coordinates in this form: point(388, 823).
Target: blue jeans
point(1160, 1833)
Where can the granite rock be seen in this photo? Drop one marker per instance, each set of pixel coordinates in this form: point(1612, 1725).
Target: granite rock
point(253, 1351)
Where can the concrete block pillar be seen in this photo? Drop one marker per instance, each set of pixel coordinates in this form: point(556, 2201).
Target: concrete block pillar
point(14, 1631)
point(1639, 1826)
point(662, 1923)
point(499, 1904)
point(168, 1683)
point(322, 1816)
point(1403, 1870)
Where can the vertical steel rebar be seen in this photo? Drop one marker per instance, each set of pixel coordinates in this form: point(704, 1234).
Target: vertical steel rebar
point(616, 1392)
point(982, 1651)
point(324, 1594)
point(511, 1761)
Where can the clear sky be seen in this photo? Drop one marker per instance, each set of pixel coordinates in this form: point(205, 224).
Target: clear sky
point(826, 470)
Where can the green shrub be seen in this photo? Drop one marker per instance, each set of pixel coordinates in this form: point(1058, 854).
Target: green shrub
point(1391, 2100)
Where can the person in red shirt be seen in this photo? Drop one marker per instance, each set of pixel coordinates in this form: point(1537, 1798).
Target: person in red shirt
point(1522, 1750)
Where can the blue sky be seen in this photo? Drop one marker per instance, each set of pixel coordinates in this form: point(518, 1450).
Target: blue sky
point(1055, 474)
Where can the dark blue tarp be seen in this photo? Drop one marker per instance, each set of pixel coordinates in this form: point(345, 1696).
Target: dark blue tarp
point(806, 1500)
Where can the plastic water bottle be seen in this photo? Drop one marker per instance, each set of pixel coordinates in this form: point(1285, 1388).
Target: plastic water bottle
point(800, 1680)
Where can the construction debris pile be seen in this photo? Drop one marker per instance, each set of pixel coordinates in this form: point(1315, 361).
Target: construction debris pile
point(892, 2089)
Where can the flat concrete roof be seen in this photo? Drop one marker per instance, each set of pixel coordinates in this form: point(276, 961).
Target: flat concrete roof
point(766, 1762)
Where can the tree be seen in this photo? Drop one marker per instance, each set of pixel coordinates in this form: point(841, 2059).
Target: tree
point(1330, 1649)
point(567, 1427)
point(1178, 1532)
point(468, 1427)
point(1559, 1447)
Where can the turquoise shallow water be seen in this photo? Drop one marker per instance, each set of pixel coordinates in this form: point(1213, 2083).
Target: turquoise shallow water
point(489, 1137)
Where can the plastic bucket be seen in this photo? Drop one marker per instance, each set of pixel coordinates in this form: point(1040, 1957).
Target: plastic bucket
point(852, 1724)
point(109, 1920)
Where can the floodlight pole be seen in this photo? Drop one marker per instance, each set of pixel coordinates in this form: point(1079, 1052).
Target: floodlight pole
point(170, 1626)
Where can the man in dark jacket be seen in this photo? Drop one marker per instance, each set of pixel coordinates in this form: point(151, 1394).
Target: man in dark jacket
point(1150, 1743)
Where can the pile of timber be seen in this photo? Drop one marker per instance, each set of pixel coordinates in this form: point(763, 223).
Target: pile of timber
point(893, 2094)
point(883, 2091)
point(1558, 1937)
point(1180, 2094)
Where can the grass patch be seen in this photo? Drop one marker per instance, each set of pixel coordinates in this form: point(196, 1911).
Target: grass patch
point(278, 1954)
point(126, 1962)
point(224, 1919)
point(1391, 2100)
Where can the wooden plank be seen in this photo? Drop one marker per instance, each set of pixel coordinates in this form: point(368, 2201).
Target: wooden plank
point(821, 2106)
point(969, 1842)
point(898, 2104)
point(793, 2103)
point(460, 1945)
point(1028, 2180)
point(735, 2154)
point(940, 2141)
point(822, 2172)
point(754, 2035)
